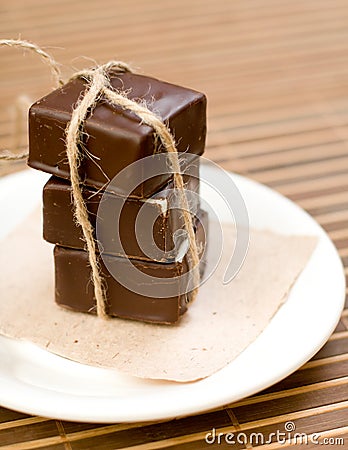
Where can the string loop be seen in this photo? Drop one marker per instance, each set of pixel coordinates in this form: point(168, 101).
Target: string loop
point(7, 155)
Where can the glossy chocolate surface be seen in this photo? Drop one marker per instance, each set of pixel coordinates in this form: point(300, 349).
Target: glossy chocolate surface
point(74, 290)
point(59, 226)
point(114, 138)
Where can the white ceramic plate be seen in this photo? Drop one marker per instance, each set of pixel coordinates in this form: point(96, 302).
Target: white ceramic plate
point(35, 381)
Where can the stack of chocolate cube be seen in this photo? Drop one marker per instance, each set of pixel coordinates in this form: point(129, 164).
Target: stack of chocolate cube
point(114, 138)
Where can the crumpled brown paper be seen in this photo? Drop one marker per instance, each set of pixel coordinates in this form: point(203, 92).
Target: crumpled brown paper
point(219, 325)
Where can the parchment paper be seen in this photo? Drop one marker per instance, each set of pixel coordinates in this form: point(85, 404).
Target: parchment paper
point(219, 325)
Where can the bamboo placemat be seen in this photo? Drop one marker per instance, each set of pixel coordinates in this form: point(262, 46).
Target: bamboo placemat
point(276, 76)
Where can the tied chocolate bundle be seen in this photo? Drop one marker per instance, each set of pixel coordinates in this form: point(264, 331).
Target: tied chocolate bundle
point(94, 88)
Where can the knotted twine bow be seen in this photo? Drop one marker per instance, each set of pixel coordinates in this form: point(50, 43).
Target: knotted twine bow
point(98, 86)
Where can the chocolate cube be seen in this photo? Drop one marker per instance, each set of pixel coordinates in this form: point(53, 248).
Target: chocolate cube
point(74, 289)
point(114, 138)
point(161, 221)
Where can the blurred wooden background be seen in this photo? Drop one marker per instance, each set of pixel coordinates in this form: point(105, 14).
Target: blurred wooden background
point(275, 73)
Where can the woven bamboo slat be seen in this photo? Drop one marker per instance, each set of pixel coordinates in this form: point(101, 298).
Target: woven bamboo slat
point(276, 76)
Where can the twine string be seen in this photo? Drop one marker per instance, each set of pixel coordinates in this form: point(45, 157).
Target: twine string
point(46, 57)
point(149, 118)
point(7, 155)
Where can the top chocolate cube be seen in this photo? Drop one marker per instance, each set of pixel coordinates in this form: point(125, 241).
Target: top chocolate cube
point(114, 137)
